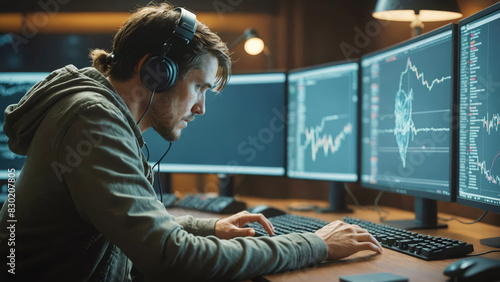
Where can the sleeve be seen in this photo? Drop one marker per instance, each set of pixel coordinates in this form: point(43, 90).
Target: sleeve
point(109, 190)
point(197, 226)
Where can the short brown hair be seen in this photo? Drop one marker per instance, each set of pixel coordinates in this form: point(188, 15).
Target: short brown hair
point(146, 31)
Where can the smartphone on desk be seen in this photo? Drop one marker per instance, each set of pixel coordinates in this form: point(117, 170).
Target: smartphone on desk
point(374, 277)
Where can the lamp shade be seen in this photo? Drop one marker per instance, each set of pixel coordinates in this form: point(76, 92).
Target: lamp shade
point(428, 10)
point(254, 46)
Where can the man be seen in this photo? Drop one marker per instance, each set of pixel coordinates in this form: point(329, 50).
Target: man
point(85, 205)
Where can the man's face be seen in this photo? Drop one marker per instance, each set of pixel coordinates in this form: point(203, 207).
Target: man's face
point(172, 110)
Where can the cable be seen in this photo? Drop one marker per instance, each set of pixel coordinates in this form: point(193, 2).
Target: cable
point(147, 150)
point(358, 205)
point(149, 105)
point(465, 222)
point(379, 210)
point(348, 190)
point(475, 255)
point(147, 109)
point(159, 180)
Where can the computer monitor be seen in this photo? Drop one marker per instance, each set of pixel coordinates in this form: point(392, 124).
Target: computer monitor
point(13, 86)
point(241, 132)
point(323, 126)
point(479, 113)
point(407, 116)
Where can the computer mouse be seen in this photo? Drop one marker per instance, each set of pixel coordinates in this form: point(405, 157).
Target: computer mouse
point(267, 211)
point(474, 269)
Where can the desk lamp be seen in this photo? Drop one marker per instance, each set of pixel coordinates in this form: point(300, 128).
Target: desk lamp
point(417, 11)
point(254, 45)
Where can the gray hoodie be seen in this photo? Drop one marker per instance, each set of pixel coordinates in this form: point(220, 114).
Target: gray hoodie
point(85, 206)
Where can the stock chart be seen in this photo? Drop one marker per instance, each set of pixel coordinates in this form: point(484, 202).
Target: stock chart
point(479, 112)
point(407, 115)
point(322, 122)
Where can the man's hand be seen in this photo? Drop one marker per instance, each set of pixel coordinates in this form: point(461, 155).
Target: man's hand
point(345, 239)
point(230, 227)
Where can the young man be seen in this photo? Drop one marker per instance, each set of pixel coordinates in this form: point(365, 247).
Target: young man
point(85, 205)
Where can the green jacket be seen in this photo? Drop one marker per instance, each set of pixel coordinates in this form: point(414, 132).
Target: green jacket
point(86, 208)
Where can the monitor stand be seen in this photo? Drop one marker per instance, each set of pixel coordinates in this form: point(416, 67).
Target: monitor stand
point(226, 185)
point(337, 199)
point(425, 217)
point(491, 242)
point(165, 180)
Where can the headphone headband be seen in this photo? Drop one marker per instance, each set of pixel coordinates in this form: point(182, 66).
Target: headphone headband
point(159, 73)
point(186, 27)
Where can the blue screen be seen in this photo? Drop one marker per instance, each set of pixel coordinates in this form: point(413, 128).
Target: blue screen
point(241, 132)
point(322, 122)
point(407, 116)
point(479, 108)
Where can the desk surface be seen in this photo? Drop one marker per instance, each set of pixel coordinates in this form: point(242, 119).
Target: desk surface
point(366, 262)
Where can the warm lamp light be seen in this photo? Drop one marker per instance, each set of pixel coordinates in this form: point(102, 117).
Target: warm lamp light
point(254, 45)
point(417, 12)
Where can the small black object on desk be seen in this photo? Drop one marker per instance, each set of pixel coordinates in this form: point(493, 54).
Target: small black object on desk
point(474, 269)
point(267, 211)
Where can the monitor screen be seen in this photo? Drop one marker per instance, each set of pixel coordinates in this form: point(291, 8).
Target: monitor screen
point(479, 110)
point(18, 54)
point(322, 122)
point(241, 132)
point(13, 86)
point(407, 102)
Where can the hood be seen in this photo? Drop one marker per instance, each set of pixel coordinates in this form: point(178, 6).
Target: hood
point(22, 119)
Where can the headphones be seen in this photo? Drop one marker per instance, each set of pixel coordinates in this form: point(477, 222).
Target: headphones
point(159, 73)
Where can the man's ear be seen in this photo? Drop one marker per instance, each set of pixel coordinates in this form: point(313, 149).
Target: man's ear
point(138, 67)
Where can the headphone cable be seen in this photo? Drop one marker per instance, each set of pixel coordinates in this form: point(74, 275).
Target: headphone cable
point(157, 163)
point(147, 149)
point(149, 105)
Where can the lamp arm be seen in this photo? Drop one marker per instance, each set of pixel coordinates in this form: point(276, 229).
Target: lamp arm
point(240, 38)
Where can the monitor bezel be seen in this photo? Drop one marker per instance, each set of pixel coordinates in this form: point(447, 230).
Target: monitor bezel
point(357, 125)
point(234, 169)
point(477, 16)
point(453, 130)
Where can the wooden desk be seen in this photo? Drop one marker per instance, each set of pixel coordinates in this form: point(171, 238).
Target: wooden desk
point(366, 262)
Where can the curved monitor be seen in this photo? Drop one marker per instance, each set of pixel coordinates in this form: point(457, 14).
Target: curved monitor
point(242, 131)
point(407, 115)
point(322, 122)
point(479, 111)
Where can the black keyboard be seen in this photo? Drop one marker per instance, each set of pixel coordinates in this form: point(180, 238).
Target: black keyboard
point(414, 244)
point(215, 204)
point(289, 223)
point(168, 199)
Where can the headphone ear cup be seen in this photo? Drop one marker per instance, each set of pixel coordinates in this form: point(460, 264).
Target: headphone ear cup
point(159, 73)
